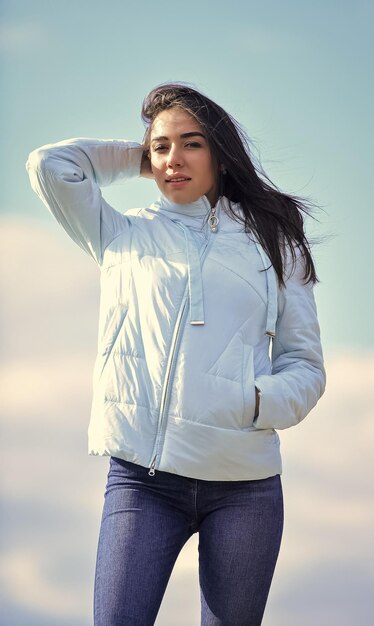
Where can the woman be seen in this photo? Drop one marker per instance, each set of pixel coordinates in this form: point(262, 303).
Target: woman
point(188, 391)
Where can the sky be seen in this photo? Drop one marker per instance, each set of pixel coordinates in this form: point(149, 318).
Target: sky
point(296, 75)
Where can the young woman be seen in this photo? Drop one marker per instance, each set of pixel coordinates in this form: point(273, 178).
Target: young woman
point(208, 344)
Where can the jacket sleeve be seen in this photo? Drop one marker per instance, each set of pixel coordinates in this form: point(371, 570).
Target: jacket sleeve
point(67, 176)
point(298, 375)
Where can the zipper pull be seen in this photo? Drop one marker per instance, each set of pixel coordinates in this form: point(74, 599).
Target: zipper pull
point(213, 220)
point(152, 470)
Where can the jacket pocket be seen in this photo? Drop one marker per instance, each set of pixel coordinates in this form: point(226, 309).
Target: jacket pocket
point(249, 392)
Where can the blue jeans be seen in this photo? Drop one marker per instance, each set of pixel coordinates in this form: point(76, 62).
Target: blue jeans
point(147, 520)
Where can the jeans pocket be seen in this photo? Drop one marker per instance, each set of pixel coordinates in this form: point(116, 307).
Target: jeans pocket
point(248, 382)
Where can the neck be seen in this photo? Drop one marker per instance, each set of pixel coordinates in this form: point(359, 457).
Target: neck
point(198, 208)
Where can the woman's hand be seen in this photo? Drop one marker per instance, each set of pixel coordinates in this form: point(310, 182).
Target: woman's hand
point(145, 168)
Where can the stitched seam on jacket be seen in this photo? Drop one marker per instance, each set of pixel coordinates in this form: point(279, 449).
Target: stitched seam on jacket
point(128, 224)
point(225, 377)
point(131, 354)
point(250, 429)
point(110, 401)
point(239, 276)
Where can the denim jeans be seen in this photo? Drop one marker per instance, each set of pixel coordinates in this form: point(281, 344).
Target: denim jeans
point(147, 520)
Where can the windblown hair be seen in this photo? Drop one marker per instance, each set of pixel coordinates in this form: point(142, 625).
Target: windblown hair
point(275, 218)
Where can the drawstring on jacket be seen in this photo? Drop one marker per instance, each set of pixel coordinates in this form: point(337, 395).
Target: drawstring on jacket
point(195, 281)
point(195, 284)
point(272, 291)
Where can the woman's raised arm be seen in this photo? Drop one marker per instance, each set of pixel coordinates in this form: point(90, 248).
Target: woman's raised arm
point(67, 176)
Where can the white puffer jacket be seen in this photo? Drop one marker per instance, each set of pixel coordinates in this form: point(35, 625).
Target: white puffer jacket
point(186, 317)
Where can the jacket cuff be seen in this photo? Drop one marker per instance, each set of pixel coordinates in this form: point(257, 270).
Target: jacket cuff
point(135, 161)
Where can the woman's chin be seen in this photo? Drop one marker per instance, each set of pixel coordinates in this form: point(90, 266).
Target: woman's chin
point(180, 197)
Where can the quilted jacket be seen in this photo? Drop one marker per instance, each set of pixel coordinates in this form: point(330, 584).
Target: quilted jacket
point(190, 323)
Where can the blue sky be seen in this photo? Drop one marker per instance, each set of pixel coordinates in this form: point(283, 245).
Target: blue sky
point(297, 75)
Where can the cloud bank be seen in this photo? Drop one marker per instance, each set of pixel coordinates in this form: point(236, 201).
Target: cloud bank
point(52, 492)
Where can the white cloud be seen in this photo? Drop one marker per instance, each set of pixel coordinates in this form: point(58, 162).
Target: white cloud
point(52, 492)
point(21, 36)
point(52, 292)
point(24, 570)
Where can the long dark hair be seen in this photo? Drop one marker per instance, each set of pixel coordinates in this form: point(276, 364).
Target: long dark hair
point(274, 217)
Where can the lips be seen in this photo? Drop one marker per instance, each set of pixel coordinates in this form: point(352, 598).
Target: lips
point(177, 178)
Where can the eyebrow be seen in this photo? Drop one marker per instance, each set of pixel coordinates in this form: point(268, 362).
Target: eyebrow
point(183, 136)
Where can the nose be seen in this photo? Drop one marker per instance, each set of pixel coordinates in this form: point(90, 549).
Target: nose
point(175, 157)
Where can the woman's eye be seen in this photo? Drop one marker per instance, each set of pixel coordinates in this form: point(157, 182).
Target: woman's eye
point(193, 144)
point(163, 148)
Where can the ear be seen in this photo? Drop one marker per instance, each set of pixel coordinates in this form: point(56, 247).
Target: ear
point(223, 169)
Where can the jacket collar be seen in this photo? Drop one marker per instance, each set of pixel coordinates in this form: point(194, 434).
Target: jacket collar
point(187, 217)
point(199, 208)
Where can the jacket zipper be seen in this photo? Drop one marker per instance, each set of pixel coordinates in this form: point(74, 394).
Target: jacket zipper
point(167, 382)
point(169, 371)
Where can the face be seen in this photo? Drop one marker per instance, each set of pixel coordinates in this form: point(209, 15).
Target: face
point(181, 159)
